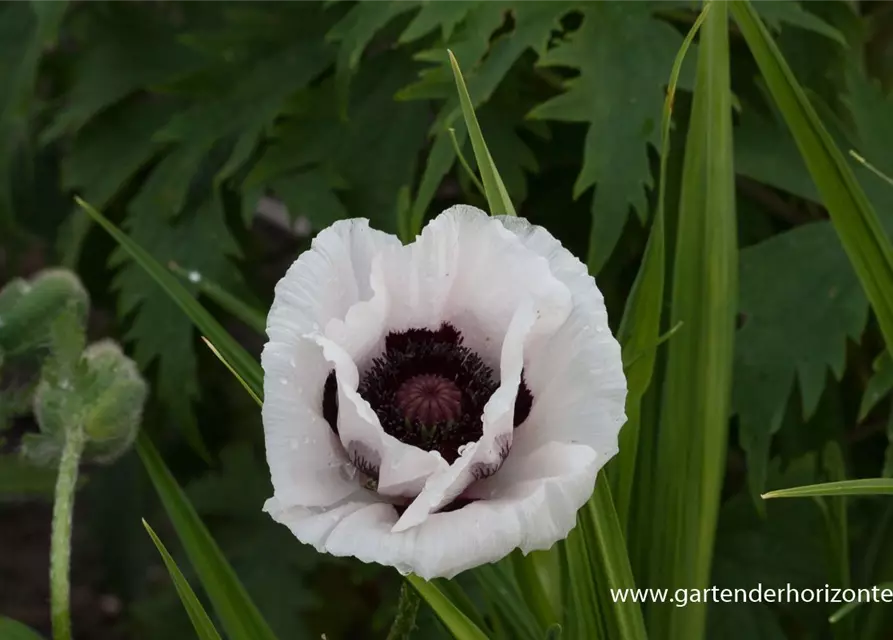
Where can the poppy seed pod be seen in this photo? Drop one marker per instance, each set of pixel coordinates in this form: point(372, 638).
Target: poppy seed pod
point(434, 406)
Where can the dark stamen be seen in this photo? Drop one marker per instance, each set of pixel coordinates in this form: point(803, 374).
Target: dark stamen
point(428, 390)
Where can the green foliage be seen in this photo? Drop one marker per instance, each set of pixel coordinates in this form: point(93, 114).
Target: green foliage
point(182, 122)
point(800, 301)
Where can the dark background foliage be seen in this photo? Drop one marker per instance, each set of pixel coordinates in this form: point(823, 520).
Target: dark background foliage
point(222, 135)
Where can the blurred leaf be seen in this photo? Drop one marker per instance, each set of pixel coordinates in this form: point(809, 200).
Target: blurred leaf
point(776, 549)
point(312, 194)
point(159, 330)
point(247, 367)
point(274, 567)
point(864, 487)
point(125, 50)
point(204, 628)
point(879, 386)
point(800, 301)
point(766, 152)
point(12, 630)
point(778, 12)
point(454, 620)
point(252, 317)
point(238, 615)
point(502, 589)
point(22, 479)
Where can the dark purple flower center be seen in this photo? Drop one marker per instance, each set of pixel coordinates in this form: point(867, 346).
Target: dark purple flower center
point(428, 391)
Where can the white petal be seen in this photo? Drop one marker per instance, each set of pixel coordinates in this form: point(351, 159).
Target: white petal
point(326, 280)
point(402, 468)
point(308, 466)
point(468, 269)
point(307, 462)
point(576, 377)
point(532, 510)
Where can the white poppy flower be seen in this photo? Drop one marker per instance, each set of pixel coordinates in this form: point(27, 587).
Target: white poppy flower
point(434, 406)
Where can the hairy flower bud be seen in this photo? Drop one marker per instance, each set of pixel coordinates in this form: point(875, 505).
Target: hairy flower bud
point(105, 398)
point(28, 308)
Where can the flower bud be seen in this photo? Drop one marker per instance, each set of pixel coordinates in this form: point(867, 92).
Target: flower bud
point(105, 398)
point(27, 309)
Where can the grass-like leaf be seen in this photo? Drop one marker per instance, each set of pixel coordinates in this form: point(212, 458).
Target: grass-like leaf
point(863, 487)
point(249, 369)
point(497, 196)
point(846, 609)
point(610, 561)
point(691, 449)
point(204, 628)
point(252, 317)
point(239, 616)
point(854, 219)
point(640, 325)
point(12, 630)
point(453, 619)
point(235, 373)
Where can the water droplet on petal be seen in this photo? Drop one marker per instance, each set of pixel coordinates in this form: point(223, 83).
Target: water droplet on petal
point(283, 381)
point(294, 445)
point(403, 569)
point(294, 365)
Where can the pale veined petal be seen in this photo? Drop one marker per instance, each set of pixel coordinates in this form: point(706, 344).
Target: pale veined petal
point(533, 507)
point(576, 377)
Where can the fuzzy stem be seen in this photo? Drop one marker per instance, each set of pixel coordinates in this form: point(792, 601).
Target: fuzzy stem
point(60, 545)
point(407, 608)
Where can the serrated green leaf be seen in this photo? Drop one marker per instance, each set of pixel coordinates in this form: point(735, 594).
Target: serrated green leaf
point(238, 615)
point(202, 624)
point(436, 15)
point(791, 12)
point(855, 221)
point(800, 302)
point(622, 46)
point(12, 630)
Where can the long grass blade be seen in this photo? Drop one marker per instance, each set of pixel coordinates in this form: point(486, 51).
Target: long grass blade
point(640, 325)
point(863, 487)
point(252, 317)
point(497, 196)
point(238, 615)
point(455, 621)
point(849, 607)
point(249, 369)
point(693, 433)
point(204, 628)
point(857, 224)
point(610, 562)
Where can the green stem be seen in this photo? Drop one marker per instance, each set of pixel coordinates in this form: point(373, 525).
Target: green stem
point(407, 608)
point(60, 546)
